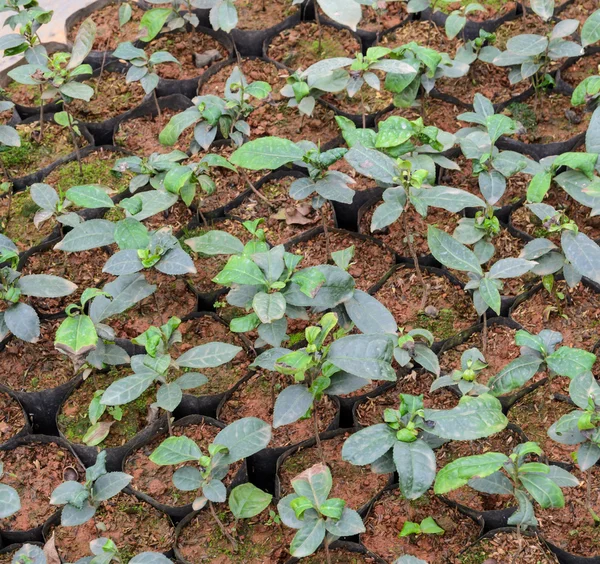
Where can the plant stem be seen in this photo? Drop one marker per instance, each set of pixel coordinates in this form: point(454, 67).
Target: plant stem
point(41, 113)
point(320, 29)
point(413, 254)
point(484, 336)
point(327, 555)
point(156, 102)
point(256, 192)
point(326, 233)
point(73, 136)
point(362, 105)
point(222, 526)
point(169, 425)
point(317, 437)
point(101, 71)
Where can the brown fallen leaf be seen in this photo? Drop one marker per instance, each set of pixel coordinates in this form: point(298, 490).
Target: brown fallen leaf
point(299, 215)
point(50, 551)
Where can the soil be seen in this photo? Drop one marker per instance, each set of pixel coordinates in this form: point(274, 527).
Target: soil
point(485, 78)
point(503, 547)
point(112, 97)
point(272, 116)
point(503, 442)
point(549, 120)
point(209, 266)
point(260, 540)
point(35, 470)
point(108, 32)
point(264, 14)
point(577, 319)
point(32, 155)
point(394, 235)
point(501, 349)
point(82, 268)
point(425, 33)
point(522, 218)
point(73, 421)
point(391, 511)
point(582, 536)
point(253, 399)
point(140, 135)
point(378, 22)
point(368, 266)
point(133, 525)
point(172, 297)
point(298, 47)
point(402, 293)
point(11, 417)
point(339, 556)
point(537, 411)
point(370, 411)
point(288, 219)
point(183, 45)
point(32, 367)
point(357, 485)
point(207, 329)
point(581, 69)
point(157, 481)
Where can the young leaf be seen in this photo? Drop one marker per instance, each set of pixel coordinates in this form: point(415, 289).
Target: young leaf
point(246, 501)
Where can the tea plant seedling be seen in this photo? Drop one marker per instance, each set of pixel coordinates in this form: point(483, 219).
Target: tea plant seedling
point(526, 480)
point(405, 441)
point(427, 526)
point(237, 441)
point(317, 517)
point(81, 501)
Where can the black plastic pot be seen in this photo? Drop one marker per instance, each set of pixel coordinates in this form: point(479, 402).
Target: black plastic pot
point(26, 426)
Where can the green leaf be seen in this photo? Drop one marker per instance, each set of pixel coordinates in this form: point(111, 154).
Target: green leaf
point(153, 21)
point(543, 490)
point(269, 307)
point(9, 501)
point(333, 508)
point(342, 11)
point(177, 124)
point(216, 243)
point(243, 438)
point(291, 404)
point(490, 294)
point(458, 473)
point(266, 153)
point(515, 374)
point(89, 196)
point(430, 527)
point(415, 464)
point(76, 335)
point(209, 355)
point(365, 356)
point(308, 539)
point(590, 32)
point(247, 500)
point(176, 450)
point(473, 418)
point(83, 43)
point(369, 444)
point(539, 186)
point(450, 252)
point(570, 362)
point(240, 270)
point(314, 483)
point(127, 389)
point(88, 235)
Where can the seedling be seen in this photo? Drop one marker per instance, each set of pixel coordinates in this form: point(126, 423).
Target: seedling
point(405, 441)
point(158, 367)
point(472, 363)
point(515, 475)
point(211, 115)
point(19, 318)
point(581, 427)
point(427, 526)
point(81, 501)
point(318, 518)
point(237, 441)
point(142, 67)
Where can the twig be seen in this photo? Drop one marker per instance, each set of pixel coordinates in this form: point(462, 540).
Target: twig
point(222, 527)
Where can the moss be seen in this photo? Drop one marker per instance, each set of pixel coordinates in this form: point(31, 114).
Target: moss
point(93, 171)
point(441, 326)
point(475, 556)
point(524, 114)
